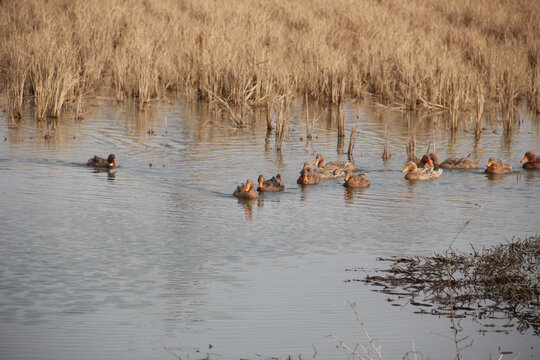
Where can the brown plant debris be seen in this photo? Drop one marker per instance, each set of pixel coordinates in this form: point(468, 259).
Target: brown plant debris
point(503, 279)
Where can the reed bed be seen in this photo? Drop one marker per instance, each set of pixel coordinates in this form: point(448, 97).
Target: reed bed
point(413, 55)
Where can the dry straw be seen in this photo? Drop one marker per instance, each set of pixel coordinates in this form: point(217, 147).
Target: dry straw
point(413, 54)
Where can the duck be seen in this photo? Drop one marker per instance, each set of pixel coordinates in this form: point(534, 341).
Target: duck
point(355, 181)
point(273, 184)
point(420, 174)
point(326, 173)
point(532, 163)
point(308, 176)
point(333, 165)
point(423, 162)
point(497, 167)
point(99, 162)
point(453, 163)
point(246, 191)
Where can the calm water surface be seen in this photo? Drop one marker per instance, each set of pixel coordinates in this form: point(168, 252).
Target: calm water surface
point(150, 261)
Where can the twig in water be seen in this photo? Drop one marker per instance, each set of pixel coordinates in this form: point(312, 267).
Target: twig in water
point(454, 328)
point(459, 232)
point(352, 142)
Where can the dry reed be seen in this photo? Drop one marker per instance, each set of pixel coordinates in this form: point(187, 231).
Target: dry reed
point(352, 143)
point(414, 54)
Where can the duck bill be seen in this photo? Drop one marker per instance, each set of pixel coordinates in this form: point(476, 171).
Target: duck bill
point(304, 178)
point(115, 163)
point(347, 176)
point(489, 163)
point(524, 159)
point(260, 183)
point(430, 162)
point(317, 161)
point(248, 186)
point(406, 168)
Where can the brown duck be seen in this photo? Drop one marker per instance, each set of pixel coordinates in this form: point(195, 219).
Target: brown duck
point(423, 162)
point(453, 163)
point(246, 191)
point(355, 181)
point(273, 184)
point(308, 176)
point(98, 162)
point(532, 161)
point(497, 167)
point(333, 165)
point(420, 174)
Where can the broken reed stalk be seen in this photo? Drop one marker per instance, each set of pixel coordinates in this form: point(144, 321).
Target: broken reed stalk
point(352, 142)
point(454, 111)
point(386, 152)
point(236, 117)
point(479, 109)
point(411, 148)
point(452, 314)
point(341, 122)
point(533, 92)
point(367, 350)
point(282, 120)
point(269, 116)
point(309, 121)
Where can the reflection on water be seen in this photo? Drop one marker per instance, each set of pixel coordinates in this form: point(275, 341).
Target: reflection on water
point(130, 262)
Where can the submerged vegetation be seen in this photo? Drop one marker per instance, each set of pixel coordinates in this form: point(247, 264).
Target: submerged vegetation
point(453, 56)
point(501, 280)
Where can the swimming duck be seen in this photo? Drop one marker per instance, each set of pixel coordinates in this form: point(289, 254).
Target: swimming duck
point(273, 184)
point(333, 165)
point(308, 176)
point(246, 191)
point(98, 162)
point(423, 162)
point(454, 163)
point(355, 181)
point(532, 163)
point(326, 173)
point(497, 167)
point(420, 174)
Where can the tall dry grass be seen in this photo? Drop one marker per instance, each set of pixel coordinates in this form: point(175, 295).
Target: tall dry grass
point(411, 54)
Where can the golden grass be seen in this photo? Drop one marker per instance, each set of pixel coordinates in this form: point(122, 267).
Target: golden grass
point(413, 54)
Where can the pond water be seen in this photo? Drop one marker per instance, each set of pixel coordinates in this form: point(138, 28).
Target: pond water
point(161, 261)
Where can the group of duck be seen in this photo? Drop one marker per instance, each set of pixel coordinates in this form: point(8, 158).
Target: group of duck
point(425, 168)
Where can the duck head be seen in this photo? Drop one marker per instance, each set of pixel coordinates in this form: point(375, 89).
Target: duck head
point(111, 160)
point(529, 155)
point(319, 160)
point(409, 167)
point(308, 167)
point(249, 185)
point(434, 158)
point(260, 180)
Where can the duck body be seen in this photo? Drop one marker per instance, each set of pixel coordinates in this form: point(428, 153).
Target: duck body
point(273, 184)
point(308, 176)
point(497, 167)
point(459, 163)
point(421, 174)
point(530, 161)
point(355, 181)
point(98, 162)
point(246, 191)
point(326, 173)
point(333, 165)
